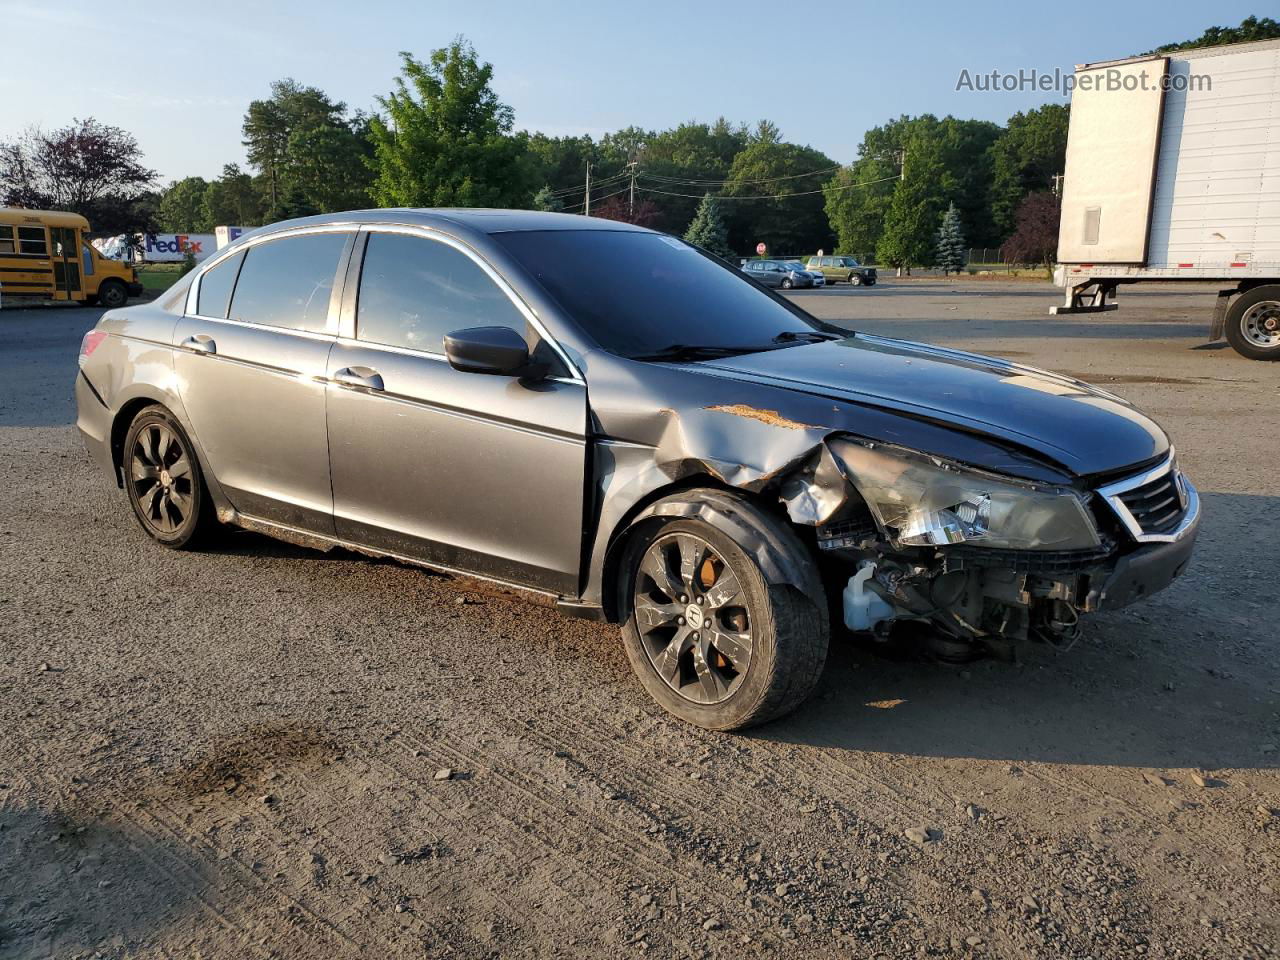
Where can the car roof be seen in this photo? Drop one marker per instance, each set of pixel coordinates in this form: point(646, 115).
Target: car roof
point(474, 219)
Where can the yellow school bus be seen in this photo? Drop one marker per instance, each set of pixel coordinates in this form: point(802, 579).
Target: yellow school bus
point(45, 254)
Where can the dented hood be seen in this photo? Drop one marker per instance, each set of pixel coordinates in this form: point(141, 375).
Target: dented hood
point(1080, 427)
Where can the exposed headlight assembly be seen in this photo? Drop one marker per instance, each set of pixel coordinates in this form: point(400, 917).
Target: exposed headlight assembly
point(921, 500)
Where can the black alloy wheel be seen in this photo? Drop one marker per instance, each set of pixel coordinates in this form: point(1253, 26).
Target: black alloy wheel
point(163, 480)
point(693, 617)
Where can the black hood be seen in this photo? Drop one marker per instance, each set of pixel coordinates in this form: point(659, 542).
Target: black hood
point(1068, 422)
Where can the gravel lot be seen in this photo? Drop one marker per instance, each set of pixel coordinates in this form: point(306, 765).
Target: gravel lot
point(261, 751)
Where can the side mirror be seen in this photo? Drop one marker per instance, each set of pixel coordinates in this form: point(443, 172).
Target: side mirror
point(495, 350)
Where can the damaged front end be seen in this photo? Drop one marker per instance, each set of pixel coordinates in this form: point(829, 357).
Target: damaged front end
point(986, 560)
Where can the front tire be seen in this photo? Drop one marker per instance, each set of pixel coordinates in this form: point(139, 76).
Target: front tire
point(163, 480)
point(710, 637)
point(855, 280)
point(1253, 324)
point(786, 284)
point(113, 294)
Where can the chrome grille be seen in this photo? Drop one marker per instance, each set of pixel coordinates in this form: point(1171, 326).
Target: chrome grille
point(1157, 504)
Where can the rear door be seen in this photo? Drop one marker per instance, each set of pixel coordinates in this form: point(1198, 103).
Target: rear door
point(250, 365)
point(468, 471)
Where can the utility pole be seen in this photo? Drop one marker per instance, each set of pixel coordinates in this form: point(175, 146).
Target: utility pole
point(902, 164)
point(586, 200)
point(1057, 184)
point(631, 208)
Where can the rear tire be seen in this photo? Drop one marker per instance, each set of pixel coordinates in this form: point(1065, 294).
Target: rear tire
point(738, 650)
point(164, 483)
point(1253, 323)
point(113, 294)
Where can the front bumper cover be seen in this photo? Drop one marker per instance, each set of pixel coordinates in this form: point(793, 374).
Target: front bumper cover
point(1147, 570)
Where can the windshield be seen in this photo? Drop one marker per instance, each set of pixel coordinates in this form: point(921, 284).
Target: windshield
point(642, 295)
point(794, 265)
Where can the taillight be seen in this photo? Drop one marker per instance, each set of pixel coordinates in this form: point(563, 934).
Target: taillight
point(90, 344)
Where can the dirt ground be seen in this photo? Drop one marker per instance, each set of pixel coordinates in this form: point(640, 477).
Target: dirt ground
point(261, 751)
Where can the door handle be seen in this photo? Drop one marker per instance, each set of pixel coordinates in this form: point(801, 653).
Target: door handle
point(365, 377)
point(199, 344)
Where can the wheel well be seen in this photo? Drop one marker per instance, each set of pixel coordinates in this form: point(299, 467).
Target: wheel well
point(120, 427)
point(627, 527)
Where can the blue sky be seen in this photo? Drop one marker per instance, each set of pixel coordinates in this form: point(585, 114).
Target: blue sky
point(179, 75)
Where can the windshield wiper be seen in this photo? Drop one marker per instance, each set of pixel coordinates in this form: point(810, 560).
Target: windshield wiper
point(676, 352)
point(808, 336)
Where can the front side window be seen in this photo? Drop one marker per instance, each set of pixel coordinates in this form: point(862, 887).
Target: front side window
point(86, 256)
point(414, 290)
point(287, 282)
point(31, 241)
point(216, 285)
point(639, 294)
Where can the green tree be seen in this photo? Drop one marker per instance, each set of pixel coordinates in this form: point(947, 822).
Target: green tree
point(918, 201)
point(182, 207)
point(861, 197)
point(233, 199)
point(708, 230)
point(447, 137)
point(1251, 28)
point(950, 253)
point(300, 138)
point(544, 199)
point(787, 178)
point(1025, 158)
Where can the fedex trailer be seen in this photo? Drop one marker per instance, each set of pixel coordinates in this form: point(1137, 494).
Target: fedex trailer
point(1173, 173)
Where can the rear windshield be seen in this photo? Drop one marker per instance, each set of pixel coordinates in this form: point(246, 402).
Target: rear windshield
point(637, 294)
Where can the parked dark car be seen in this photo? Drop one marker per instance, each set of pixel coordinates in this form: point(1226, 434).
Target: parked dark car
point(778, 273)
point(608, 416)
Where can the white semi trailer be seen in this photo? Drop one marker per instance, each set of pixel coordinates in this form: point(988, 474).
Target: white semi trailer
point(1173, 173)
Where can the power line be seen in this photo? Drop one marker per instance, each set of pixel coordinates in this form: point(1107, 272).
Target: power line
point(790, 176)
point(576, 189)
point(777, 196)
point(615, 193)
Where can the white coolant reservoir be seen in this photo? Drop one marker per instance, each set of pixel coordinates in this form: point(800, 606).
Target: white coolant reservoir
point(863, 608)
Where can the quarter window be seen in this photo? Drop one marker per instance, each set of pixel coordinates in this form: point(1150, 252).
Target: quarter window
point(216, 285)
point(31, 241)
point(413, 291)
point(288, 282)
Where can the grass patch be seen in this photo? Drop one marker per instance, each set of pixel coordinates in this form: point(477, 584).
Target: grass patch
point(159, 277)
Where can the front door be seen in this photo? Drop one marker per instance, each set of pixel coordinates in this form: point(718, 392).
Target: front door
point(65, 251)
point(250, 367)
point(477, 473)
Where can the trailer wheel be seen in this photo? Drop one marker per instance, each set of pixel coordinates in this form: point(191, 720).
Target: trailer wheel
point(1253, 324)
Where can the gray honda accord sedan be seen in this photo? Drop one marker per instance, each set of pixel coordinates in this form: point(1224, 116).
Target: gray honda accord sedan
point(626, 424)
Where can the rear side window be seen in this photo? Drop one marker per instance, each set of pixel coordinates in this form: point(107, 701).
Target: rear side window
point(31, 241)
point(413, 291)
point(216, 286)
point(288, 282)
point(6, 240)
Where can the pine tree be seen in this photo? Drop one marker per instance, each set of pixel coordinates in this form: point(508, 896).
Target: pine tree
point(545, 199)
point(707, 230)
point(951, 253)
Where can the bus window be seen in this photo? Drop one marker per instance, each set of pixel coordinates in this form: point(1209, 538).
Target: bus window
point(31, 242)
point(86, 255)
point(6, 240)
